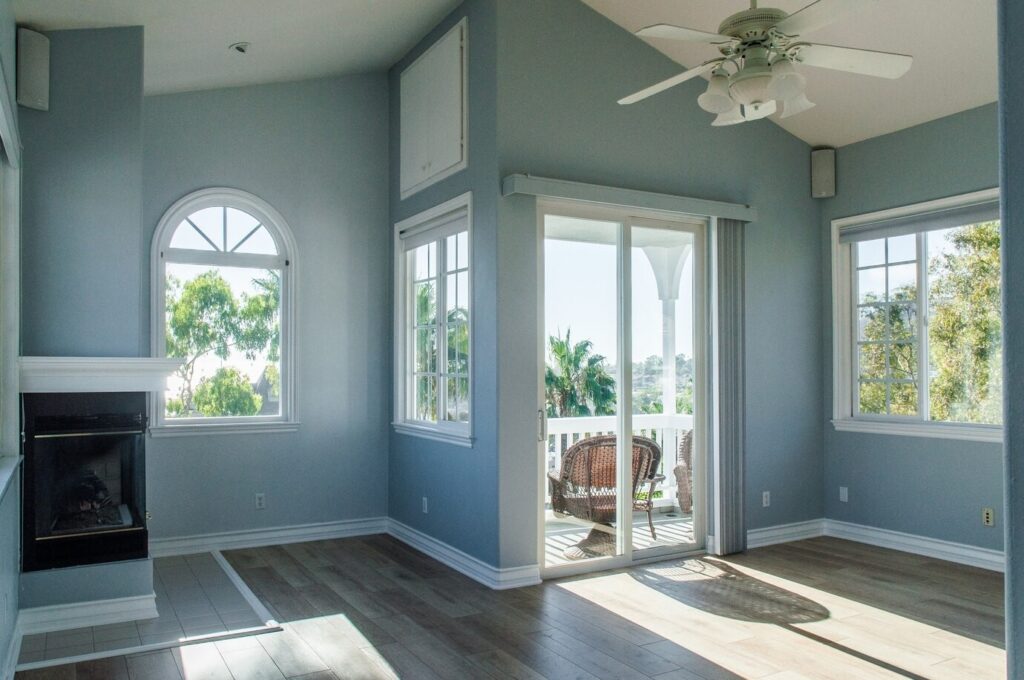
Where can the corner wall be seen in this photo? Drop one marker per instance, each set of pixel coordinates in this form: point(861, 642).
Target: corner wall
point(317, 152)
point(917, 485)
point(82, 199)
point(10, 498)
point(93, 193)
point(1011, 174)
point(461, 483)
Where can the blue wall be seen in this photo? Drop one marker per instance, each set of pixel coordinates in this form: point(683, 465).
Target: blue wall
point(1011, 174)
point(10, 511)
point(82, 199)
point(461, 483)
point(561, 69)
point(10, 562)
point(317, 152)
point(924, 486)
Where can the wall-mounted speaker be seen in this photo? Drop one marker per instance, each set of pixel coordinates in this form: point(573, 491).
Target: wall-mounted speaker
point(33, 70)
point(823, 173)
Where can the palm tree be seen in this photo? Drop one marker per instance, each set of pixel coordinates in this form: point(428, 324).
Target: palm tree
point(576, 381)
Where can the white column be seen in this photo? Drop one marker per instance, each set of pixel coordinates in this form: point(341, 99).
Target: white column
point(668, 355)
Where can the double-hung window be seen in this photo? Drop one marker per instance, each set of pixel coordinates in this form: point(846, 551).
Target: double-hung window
point(917, 325)
point(433, 323)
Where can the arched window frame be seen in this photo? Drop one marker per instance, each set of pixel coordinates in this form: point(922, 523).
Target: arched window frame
point(285, 260)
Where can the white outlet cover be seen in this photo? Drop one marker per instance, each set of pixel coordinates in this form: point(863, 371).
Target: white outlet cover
point(766, 499)
point(844, 494)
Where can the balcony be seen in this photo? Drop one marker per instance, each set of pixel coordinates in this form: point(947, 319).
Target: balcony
point(673, 526)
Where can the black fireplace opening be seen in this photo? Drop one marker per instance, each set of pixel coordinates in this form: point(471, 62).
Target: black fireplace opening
point(84, 479)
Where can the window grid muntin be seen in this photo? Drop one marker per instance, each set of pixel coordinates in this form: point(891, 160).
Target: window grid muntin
point(280, 262)
point(456, 268)
point(923, 306)
point(887, 341)
point(437, 273)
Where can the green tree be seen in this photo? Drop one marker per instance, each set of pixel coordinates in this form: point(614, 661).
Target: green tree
point(577, 381)
point(227, 393)
point(889, 352)
point(205, 318)
point(965, 348)
point(202, 318)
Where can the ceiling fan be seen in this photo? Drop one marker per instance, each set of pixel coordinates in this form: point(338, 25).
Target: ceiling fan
point(759, 48)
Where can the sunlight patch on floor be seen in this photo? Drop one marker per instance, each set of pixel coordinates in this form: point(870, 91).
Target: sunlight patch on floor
point(757, 624)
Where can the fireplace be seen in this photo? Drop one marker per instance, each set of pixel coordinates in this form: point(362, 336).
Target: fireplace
point(84, 478)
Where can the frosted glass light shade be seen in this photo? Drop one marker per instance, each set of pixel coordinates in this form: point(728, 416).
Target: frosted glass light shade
point(731, 117)
point(786, 83)
point(747, 88)
point(716, 98)
point(796, 105)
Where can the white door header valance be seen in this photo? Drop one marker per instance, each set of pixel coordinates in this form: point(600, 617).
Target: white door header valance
point(624, 198)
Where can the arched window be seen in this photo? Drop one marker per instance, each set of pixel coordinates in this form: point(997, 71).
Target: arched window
point(223, 301)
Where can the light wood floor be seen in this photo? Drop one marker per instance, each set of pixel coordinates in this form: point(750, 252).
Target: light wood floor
point(822, 608)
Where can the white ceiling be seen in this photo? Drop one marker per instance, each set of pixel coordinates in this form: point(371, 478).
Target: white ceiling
point(187, 40)
point(953, 43)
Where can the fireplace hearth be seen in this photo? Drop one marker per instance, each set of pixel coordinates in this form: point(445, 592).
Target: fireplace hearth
point(84, 485)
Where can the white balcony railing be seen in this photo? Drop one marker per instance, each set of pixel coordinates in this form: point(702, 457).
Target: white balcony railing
point(665, 429)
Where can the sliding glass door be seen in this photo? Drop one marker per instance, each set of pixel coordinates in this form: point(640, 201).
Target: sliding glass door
point(623, 387)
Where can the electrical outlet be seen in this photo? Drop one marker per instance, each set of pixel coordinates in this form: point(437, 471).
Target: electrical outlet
point(988, 517)
point(844, 494)
point(766, 499)
point(261, 501)
point(425, 508)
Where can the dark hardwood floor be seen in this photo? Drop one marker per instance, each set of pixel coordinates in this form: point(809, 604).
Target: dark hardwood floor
point(822, 608)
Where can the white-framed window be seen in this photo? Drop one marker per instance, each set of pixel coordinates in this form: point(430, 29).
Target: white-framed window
point(433, 323)
point(917, 320)
point(223, 300)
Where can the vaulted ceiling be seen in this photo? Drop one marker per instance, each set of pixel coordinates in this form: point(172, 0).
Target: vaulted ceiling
point(953, 43)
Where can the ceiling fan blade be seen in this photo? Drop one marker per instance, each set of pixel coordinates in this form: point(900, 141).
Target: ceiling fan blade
point(671, 82)
point(853, 60)
point(670, 32)
point(814, 16)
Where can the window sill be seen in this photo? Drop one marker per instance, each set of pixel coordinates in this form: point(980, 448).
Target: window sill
point(203, 429)
point(977, 433)
point(458, 439)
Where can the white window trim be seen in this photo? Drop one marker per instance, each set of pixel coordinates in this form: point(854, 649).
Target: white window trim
point(287, 421)
point(844, 416)
point(459, 434)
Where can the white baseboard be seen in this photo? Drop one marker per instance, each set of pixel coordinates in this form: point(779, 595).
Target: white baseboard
point(784, 533)
point(10, 661)
point(960, 553)
point(79, 614)
point(490, 576)
point(254, 538)
point(480, 571)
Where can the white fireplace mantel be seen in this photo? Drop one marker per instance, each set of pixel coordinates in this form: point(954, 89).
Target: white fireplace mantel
point(95, 374)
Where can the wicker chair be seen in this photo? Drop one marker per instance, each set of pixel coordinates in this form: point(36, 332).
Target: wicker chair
point(683, 472)
point(585, 487)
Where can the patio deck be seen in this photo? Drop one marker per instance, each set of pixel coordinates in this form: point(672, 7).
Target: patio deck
point(673, 528)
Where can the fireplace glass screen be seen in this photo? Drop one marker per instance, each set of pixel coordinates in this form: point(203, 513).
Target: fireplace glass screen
point(84, 479)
